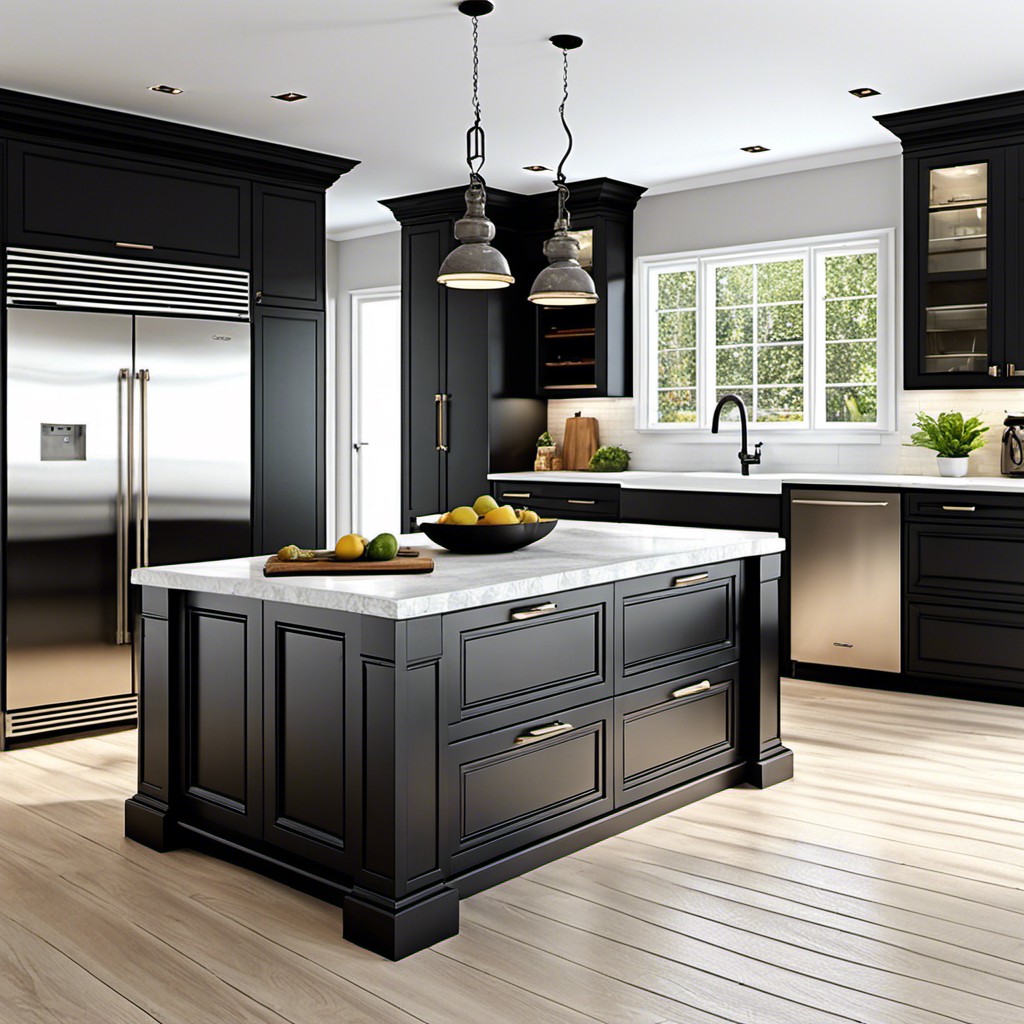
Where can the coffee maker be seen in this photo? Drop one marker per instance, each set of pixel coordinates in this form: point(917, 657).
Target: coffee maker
point(1011, 456)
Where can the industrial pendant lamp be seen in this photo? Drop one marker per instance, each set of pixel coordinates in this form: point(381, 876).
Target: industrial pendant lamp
point(475, 263)
point(563, 282)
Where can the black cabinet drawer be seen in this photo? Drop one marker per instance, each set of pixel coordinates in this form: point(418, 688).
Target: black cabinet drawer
point(576, 508)
point(968, 507)
point(667, 734)
point(512, 787)
point(526, 658)
point(974, 643)
point(958, 559)
point(72, 200)
point(574, 501)
point(703, 508)
point(673, 622)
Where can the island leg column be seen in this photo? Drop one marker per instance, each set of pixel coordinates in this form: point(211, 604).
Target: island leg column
point(147, 815)
point(768, 761)
point(400, 903)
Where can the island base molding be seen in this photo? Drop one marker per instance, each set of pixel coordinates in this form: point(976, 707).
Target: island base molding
point(392, 767)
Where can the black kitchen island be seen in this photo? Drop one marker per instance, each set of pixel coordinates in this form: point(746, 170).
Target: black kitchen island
point(395, 744)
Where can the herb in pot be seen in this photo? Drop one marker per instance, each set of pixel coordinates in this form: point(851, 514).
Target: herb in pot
point(609, 459)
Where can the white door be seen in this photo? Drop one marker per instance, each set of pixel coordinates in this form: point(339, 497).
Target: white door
point(376, 412)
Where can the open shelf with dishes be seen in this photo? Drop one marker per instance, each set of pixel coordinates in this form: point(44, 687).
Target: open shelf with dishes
point(568, 356)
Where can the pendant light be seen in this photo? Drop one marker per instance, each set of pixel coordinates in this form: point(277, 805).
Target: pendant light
point(475, 263)
point(563, 282)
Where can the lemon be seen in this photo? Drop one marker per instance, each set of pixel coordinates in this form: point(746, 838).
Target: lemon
point(484, 504)
point(444, 519)
point(462, 516)
point(350, 547)
point(289, 553)
point(528, 516)
point(503, 515)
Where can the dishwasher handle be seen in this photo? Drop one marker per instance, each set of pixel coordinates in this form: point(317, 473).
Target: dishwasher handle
point(841, 504)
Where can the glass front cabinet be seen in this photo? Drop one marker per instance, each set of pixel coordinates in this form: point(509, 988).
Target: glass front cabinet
point(963, 273)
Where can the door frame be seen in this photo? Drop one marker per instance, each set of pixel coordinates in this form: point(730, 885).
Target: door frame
point(358, 298)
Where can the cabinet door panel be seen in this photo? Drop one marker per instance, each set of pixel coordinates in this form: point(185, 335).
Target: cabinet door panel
point(71, 200)
point(289, 471)
point(223, 715)
point(987, 561)
point(306, 698)
point(504, 794)
point(664, 741)
point(288, 250)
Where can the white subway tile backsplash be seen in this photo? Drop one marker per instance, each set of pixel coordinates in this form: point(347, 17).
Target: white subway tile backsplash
point(657, 453)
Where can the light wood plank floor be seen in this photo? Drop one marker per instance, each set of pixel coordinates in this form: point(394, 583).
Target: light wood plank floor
point(884, 884)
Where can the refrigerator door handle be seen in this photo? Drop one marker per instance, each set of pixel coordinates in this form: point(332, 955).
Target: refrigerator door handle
point(124, 425)
point(142, 511)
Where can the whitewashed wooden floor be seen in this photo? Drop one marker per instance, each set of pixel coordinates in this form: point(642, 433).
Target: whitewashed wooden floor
point(883, 884)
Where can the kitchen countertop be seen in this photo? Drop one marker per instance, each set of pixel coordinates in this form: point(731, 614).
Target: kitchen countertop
point(768, 483)
point(575, 555)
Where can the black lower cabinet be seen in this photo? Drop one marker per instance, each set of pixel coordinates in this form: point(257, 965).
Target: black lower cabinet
point(703, 508)
point(396, 766)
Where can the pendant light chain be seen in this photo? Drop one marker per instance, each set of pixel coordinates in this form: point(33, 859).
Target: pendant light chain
point(475, 147)
point(563, 190)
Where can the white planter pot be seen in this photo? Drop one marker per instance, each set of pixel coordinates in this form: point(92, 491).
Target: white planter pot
point(952, 466)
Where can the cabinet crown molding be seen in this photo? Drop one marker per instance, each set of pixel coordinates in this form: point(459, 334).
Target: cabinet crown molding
point(964, 121)
point(25, 115)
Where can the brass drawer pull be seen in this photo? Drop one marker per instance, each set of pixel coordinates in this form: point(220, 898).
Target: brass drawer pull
point(579, 501)
point(543, 732)
point(531, 613)
point(439, 442)
point(696, 688)
point(132, 245)
point(515, 494)
point(959, 508)
point(688, 581)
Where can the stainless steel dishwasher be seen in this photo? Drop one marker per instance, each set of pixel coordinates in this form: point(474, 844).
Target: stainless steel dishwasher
point(845, 578)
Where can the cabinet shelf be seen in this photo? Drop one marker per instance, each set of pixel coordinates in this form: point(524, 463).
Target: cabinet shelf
point(571, 362)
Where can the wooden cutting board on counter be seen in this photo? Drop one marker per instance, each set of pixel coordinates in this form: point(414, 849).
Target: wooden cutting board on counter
point(580, 441)
point(325, 564)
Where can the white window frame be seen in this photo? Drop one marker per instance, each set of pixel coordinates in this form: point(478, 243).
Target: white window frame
point(813, 251)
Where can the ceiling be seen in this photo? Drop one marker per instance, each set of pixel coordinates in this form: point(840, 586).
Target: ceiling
point(662, 92)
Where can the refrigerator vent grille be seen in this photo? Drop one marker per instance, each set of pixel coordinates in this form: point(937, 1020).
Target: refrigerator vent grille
point(83, 714)
point(69, 280)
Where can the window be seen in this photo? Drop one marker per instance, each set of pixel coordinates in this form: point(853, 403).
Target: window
point(799, 330)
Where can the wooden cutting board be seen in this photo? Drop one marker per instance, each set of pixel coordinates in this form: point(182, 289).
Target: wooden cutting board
point(580, 441)
point(325, 564)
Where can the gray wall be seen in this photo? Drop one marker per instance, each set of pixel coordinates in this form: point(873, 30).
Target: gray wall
point(374, 261)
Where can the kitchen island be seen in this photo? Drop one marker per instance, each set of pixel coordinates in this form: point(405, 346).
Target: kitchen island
point(394, 744)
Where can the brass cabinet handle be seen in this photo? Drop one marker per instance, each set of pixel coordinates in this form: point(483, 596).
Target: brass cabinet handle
point(543, 732)
point(439, 403)
point(531, 613)
point(688, 581)
point(579, 501)
point(993, 371)
point(132, 245)
point(959, 508)
point(696, 688)
point(511, 494)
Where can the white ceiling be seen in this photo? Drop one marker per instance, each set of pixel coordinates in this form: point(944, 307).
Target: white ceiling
point(662, 90)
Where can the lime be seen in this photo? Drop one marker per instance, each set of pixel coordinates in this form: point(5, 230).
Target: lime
point(382, 548)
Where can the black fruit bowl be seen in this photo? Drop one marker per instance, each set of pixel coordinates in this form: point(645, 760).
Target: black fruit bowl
point(487, 540)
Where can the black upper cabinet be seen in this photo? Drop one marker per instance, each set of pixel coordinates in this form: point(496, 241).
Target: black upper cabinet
point(586, 351)
point(963, 264)
point(288, 248)
point(63, 199)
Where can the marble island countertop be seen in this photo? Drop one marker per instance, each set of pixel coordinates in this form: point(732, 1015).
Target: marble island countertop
point(574, 555)
point(766, 482)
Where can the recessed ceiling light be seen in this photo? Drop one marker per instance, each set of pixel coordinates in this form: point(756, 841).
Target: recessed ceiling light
point(169, 89)
point(537, 167)
point(290, 97)
point(864, 93)
point(754, 149)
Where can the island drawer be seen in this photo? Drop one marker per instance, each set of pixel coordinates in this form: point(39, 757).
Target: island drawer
point(682, 621)
point(670, 733)
point(501, 659)
point(515, 786)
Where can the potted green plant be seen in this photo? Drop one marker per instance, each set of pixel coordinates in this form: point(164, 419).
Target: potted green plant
point(951, 437)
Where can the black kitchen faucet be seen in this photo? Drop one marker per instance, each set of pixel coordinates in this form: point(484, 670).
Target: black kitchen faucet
point(746, 458)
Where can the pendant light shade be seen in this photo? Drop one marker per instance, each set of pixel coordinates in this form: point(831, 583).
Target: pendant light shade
point(475, 263)
point(563, 282)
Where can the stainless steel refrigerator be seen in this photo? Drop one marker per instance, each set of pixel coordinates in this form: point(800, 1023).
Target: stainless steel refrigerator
point(128, 443)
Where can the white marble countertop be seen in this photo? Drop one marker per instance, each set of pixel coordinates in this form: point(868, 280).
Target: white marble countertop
point(574, 555)
point(768, 483)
